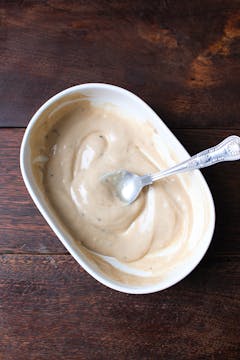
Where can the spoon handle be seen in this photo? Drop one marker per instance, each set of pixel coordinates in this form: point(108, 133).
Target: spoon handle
point(227, 150)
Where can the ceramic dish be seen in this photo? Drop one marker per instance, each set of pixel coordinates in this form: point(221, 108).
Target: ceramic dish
point(131, 105)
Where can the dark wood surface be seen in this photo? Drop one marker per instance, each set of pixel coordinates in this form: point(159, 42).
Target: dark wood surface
point(54, 310)
point(183, 58)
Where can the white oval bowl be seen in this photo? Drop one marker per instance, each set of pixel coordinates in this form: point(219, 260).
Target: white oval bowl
point(131, 105)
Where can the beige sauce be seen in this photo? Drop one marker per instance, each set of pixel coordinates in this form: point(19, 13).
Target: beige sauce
point(71, 151)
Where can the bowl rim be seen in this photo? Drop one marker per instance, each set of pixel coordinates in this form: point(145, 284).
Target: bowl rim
point(50, 218)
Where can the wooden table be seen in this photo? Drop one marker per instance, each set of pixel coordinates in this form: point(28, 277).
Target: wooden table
point(182, 57)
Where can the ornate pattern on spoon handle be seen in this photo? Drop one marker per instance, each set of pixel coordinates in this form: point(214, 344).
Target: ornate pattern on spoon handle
point(227, 150)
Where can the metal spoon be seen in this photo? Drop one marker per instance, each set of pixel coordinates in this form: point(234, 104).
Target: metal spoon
point(127, 186)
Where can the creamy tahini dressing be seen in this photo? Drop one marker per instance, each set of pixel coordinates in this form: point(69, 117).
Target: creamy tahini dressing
point(71, 150)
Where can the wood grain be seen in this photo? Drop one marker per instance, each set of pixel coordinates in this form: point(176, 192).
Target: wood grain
point(182, 57)
point(50, 308)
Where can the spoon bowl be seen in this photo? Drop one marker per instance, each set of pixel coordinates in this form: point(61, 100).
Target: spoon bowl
point(125, 184)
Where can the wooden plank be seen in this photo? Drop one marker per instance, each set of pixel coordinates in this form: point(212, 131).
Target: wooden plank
point(50, 308)
point(181, 57)
point(23, 230)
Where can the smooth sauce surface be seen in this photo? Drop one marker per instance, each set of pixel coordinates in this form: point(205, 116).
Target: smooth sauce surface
point(78, 148)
